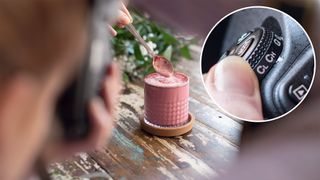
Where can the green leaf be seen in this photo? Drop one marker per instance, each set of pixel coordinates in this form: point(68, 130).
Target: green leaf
point(169, 38)
point(137, 52)
point(168, 52)
point(185, 52)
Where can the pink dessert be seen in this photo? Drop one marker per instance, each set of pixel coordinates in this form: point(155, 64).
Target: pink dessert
point(166, 99)
point(177, 79)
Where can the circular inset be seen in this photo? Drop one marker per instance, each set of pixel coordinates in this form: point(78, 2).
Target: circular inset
point(258, 64)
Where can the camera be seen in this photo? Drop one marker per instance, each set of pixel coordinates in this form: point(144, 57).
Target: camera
point(72, 107)
point(277, 49)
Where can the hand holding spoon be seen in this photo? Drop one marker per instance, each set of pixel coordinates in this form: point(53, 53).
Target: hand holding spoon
point(162, 65)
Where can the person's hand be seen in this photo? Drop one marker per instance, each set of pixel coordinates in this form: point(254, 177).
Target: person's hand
point(124, 19)
point(234, 87)
point(102, 118)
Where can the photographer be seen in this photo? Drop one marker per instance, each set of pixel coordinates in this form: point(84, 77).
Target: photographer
point(42, 44)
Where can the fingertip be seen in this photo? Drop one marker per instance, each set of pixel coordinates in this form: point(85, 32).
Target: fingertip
point(234, 86)
point(95, 103)
point(125, 10)
point(101, 123)
point(98, 110)
point(123, 19)
point(112, 31)
point(234, 74)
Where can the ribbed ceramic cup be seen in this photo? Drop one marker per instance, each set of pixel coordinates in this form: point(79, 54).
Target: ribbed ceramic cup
point(166, 105)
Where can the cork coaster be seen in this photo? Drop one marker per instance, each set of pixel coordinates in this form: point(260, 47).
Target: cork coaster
point(167, 131)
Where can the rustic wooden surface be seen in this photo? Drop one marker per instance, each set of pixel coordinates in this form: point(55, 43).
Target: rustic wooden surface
point(203, 153)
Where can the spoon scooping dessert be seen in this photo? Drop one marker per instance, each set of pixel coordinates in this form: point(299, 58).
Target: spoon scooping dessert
point(161, 65)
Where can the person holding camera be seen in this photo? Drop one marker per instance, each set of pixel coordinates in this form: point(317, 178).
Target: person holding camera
point(41, 45)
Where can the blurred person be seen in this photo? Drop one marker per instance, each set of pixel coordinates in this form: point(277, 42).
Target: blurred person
point(42, 43)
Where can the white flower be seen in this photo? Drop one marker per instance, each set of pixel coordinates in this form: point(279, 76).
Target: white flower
point(152, 45)
point(127, 43)
point(144, 51)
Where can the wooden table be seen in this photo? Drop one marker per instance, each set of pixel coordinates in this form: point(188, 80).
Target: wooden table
point(133, 154)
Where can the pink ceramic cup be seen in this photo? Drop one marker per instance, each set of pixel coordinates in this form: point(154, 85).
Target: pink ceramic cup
point(166, 99)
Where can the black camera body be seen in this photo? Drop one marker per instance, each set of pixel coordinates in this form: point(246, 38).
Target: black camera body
point(72, 107)
point(278, 50)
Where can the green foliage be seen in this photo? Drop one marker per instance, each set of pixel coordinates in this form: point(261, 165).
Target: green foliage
point(133, 56)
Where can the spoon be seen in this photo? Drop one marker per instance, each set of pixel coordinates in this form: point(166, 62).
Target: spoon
point(162, 65)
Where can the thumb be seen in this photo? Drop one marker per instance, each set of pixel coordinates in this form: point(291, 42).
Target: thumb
point(235, 88)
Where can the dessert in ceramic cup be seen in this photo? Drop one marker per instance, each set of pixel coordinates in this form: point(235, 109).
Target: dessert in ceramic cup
point(166, 99)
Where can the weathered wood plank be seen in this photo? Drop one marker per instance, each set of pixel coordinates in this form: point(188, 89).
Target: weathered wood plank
point(218, 122)
point(81, 166)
